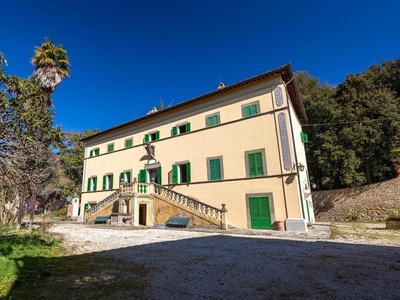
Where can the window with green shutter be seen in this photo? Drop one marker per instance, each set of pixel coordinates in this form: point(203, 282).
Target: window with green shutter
point(154, 136)
point(250, 110)
point(92, 184)
point(125, 176)
point(110, 147)
point(128, 143)
point(255, 164)
point(214, 169)
point(212, 120)
point(181, 173)
point(180, 129)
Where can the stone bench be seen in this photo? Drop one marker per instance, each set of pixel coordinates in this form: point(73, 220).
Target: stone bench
point(177, 222)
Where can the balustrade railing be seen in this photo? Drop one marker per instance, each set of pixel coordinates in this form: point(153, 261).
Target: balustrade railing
point(193, 204)
point(94, 209)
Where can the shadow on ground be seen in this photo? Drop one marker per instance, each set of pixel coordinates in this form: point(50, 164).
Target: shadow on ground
point(220, 267)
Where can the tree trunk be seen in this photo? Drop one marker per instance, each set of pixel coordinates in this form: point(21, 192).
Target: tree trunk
point(32, 202)
point(20, 210)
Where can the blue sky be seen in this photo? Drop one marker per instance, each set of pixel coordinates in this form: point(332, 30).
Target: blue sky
point(127, 55)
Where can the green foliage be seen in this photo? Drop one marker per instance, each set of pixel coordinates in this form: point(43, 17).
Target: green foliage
point(72, 155)
point(353, 127)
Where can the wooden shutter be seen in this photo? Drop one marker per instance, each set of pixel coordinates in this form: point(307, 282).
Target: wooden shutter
point(88, 185)
point(157, 135)
point(91, 153)
point(304, 137)
point(94, 183)
point(246, 111)
point(159, 174)
point(147, 138)
point(174, 174)
point(142, 176)
point(187, 127)
point(174, 130)
point(215, 169)
point(104, 182)
point(259, 163)
point(251, 165)
point(121, 176)
point(188, 174)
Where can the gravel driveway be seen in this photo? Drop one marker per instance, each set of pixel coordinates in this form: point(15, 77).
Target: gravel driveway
point(183, 264)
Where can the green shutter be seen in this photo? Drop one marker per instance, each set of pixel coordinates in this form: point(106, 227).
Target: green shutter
point(91, 153)
point(121, 176)
point(111, 181)
point(94, 183)
point(157, 135)
point(130, 177)
point(110, 148)
point(212, 120)
point(147, 138)
point(304, 137)
point(88, 185)
point(174, 130)
point(188, 174)
point(259, 163)
point(260, 214)
point(246, 111)
point(187, 126)
point(255, 164)
point(97, 151)
point(251, 165)
point(159, 175)
point(128, 143)
point(215, 169)
point(142, 176)
point(174, 174)
point(104, 182)
point(254, 109)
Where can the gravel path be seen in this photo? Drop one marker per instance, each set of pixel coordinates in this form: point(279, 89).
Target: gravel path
point(185, 264)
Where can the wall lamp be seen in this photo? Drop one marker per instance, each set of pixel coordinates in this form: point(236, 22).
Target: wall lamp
point(300, 167)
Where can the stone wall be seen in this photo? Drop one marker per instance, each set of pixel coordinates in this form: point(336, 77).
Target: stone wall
point(373, 202)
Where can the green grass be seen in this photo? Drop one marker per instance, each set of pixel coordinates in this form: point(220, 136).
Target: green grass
point(35, 266)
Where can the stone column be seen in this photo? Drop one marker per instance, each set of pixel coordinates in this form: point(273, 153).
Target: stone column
point(224, 222)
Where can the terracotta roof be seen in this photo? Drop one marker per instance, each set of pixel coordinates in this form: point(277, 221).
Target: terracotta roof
point(285, 72)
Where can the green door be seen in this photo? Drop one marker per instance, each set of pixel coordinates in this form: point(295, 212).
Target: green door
point(260, 213)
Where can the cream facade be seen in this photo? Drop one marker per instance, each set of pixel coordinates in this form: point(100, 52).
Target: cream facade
point(240, 145)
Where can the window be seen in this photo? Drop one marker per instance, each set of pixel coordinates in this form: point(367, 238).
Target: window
point(212, 120)
point(128, 143)
point(110, 147)
point(250, 110)
point(181, 173)
point(255, 164)
point(180, 129)
point(214, 168)
point(92, 184)
point(95, 152)
point(108, 181)
point(125, 176)
point(154, 136)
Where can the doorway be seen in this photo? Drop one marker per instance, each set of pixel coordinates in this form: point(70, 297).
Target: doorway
point(142, 214)
point(260, 214)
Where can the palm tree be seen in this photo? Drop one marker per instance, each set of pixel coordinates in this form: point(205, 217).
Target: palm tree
point(51, 67)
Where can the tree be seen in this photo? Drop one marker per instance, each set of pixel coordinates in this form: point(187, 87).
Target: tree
point(72, 155)
point(352, 127)
point(51, 67)
point(27, 137)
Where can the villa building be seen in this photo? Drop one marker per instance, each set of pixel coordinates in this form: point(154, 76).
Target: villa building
point(240, 145)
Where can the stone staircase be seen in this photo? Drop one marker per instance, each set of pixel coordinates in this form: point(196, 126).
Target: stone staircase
point(150, 190)
point(92, 212)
